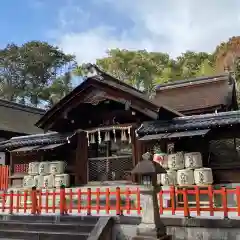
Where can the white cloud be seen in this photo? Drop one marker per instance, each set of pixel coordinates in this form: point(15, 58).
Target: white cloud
point(171, 26)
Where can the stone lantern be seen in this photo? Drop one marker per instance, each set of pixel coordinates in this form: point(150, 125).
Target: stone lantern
point(151, 224)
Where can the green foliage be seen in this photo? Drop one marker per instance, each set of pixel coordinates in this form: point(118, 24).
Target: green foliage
point(144, 70)
point(37, 72)
point(27, 71)
point(59, 88)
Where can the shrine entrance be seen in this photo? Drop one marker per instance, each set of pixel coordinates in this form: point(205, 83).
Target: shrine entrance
point(105, 112)
point(111, 159)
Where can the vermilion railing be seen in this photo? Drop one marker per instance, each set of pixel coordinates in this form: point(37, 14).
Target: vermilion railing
point(119, 202)
point(4, 176)
point(210, 204)
point(69, 201)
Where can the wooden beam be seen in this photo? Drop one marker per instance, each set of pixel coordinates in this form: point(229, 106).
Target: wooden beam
point(138, 104)
point(123, 97)
point(81, 161)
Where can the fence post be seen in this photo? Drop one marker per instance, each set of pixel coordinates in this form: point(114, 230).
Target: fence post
point(79, 196)
point(160, 199)
point(197, 194)
point(210, 198)
point(238, 199)
point(89, 201)
point(185, 203)
point(3, 201)
point(107, 200)
point(139, 208)
point(34, 200)
point(11, 202)
point(62, 200)
point(98, 200)
point(172, 197)
point(118, 201)
point(25, 199)
point(1, 176)
point(224, 202)
point(128, 201)
point(7, 178)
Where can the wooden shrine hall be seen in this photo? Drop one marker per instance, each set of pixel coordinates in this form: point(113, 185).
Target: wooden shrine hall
point(95, 128)
point(92, 129)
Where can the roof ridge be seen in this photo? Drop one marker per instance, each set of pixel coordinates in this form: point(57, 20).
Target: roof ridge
point(19, 106)
point(115, 79)
point(194, 80)
point(50, 134)
point(208, 115)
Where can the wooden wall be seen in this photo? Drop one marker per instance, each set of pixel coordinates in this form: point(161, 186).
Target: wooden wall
point(226, 175)
point(81, 159)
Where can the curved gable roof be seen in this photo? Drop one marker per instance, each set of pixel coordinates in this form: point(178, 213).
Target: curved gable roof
point(109, 83)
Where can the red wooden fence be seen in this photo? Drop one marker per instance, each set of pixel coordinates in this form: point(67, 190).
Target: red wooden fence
point(117, 201)
point(79, 201)
point(197, 193)
point(4, 175)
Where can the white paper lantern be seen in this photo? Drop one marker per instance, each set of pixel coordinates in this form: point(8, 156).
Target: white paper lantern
point(169, 178)
point(185, 177)
point(48, 181)
point(43, 168)
point(193, 160)
point(62, 180)
point(176, 161)
point(57, 167)
point(203, 176)
point(28, 181)
point(39, 181)
point(33, 168)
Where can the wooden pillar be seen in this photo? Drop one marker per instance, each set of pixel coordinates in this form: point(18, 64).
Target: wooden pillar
point(81, 176)
point(134, 147)
point(138, 148)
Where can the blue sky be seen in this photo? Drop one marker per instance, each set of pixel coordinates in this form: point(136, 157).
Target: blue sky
point(21, 22)
point(89, 28)
point(38, 19)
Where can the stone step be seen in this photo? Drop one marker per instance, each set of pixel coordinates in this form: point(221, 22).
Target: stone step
point(50, 219)
point(41, 235)
point(151, 238)
point(37, 226)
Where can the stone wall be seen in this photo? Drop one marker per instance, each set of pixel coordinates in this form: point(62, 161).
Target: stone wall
point(192, 233)
point(183, 229)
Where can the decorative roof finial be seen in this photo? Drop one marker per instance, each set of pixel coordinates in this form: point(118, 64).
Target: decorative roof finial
point(90, 70)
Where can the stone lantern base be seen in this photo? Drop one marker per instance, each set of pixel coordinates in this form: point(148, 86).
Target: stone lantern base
point(147, 228)
point(151, 238)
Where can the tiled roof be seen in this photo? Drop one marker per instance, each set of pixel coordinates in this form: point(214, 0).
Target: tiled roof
point(19, 118)
point(190, 123)
point(105, 81)
point(200, 91)
point(38, 139)
point(191, 81)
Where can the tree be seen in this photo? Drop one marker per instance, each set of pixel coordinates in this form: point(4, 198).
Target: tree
point(144, 70)
point(10, 68)
point(206, 69)
point(227, 57)
point(42, 64)
point(138, 68)
point(28, 69)
point(59, 88)
point(226, 54)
